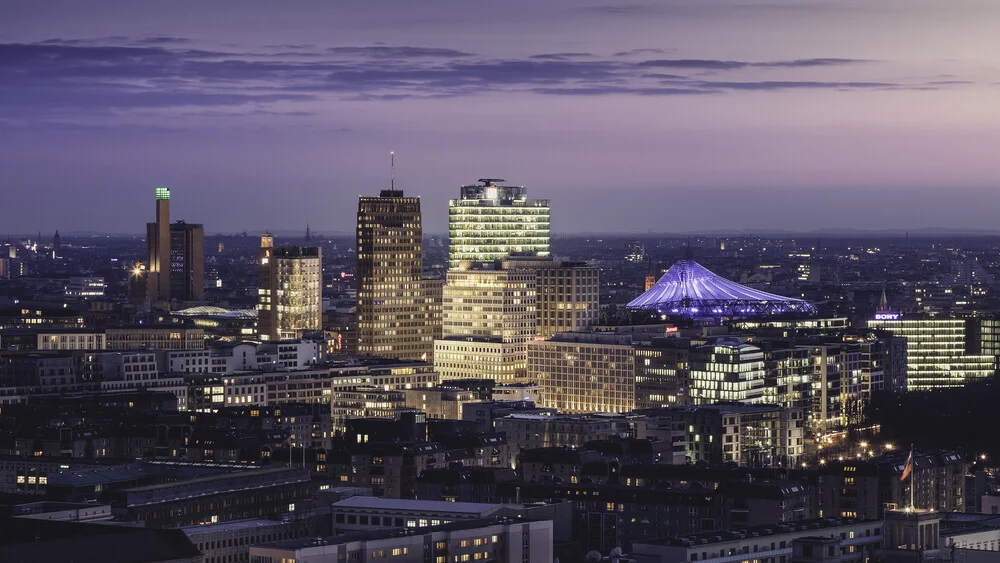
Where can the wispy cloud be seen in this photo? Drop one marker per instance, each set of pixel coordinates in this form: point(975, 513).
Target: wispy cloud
point(121, 74)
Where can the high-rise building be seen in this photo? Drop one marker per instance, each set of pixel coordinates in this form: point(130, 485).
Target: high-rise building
point(187, 262)
point(488, 317)
point(399, 312)
point(490, 221)
point(935, 352)
point(158, 249)
point(290, 290)
point(176, 256)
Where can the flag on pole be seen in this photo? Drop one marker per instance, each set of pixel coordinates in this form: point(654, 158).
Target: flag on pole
point(908, 468)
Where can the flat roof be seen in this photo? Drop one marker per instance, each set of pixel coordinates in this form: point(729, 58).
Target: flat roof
point(723, 536)
point(202, 529)
point(379, 503)
point(385, 533)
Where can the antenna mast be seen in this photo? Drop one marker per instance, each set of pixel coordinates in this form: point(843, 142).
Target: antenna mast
point(392, 168)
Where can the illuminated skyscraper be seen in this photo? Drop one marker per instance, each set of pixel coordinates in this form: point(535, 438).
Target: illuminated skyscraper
point(290, 290)
point(399, 312)
point(158, 249)
point(489, 222)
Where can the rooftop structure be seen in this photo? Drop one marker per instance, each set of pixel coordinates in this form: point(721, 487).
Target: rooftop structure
point(690, 290)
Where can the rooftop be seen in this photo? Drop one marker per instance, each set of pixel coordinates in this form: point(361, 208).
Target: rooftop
point(690, 290)
point(378, 503)
point(721, 536)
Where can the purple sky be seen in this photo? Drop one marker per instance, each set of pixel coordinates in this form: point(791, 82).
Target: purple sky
point(677, 115)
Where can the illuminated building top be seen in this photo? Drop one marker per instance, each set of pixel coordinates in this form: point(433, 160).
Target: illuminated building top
point(690, 290)
point(491, 221)
point(162, 193)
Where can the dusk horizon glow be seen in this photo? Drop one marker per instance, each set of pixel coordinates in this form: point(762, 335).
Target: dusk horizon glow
point(663, 117)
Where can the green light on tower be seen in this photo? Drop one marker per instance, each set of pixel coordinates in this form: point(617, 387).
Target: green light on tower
point(162, 193)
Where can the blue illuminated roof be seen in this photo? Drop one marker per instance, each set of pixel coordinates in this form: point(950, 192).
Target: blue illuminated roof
point(690, 290)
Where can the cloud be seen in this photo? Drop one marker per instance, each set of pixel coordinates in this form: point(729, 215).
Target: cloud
point(388, 52)
point(80, 78)
point(715, 64)
point(561, 56)
point(772, 85)
point(644, 51)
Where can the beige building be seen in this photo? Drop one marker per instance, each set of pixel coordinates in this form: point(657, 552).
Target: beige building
point(568, 297)
point(399, 313)
point(488, 317)
point(160, 338)
point(365, 402)
point(71, 340)
point(289, 290)
point(582, 372)
point(440, 402)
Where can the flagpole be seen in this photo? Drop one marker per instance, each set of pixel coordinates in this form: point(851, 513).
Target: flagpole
point(913, 473)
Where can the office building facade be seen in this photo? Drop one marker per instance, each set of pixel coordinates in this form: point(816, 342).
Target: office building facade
point(584, 372)
point(490, 221)
point(935, 352)
point(567, 297)
point(187, 262)
point(290, 290)
point(399, 312)
point(488, 318)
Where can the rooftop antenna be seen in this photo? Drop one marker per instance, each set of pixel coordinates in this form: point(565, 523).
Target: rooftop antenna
point(392, 169)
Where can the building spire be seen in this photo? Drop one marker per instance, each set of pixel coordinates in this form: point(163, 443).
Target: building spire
point(392, 170)
point(883, 304)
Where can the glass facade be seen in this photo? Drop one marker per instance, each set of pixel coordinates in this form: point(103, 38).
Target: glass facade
point(935, 353)
point(489, 222)
point(727, 371)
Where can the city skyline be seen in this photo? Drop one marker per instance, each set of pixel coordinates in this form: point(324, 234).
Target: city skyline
point(809, 114)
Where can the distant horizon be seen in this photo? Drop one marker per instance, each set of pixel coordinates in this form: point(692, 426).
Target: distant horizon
point(924, 232)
